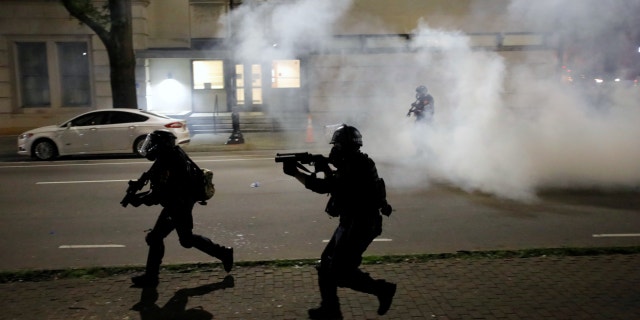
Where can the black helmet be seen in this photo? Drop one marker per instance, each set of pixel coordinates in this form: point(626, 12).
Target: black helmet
point(157, 142)
point(421, 91)
point(347, 137)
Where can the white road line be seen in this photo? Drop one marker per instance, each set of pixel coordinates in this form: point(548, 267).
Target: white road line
point(90, 246)
point(614, 235)
point(374, 240)
point(85, 181)
point(123, 163)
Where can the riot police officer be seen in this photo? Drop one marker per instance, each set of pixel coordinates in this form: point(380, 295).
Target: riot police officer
point(424, 106)
point(169, 179)
point(356, 198)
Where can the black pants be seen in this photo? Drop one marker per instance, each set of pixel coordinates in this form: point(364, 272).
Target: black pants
point(341, 259)
point(176, 217)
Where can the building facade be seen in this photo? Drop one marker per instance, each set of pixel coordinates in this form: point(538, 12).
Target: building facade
point(277, 59)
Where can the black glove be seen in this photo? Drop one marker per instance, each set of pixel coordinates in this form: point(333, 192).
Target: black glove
point(136, 201)
point(290, 168)
point(386, 209)
point(147, 198)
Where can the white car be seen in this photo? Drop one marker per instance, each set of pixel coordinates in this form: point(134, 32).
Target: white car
point(98, 132)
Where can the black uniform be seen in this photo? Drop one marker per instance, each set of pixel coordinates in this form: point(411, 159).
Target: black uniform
point(356, 199)
point(171, 187)
point(351, 189)
point(423, 108)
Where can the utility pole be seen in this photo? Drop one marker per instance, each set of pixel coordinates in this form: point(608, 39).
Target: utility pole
point(236, 135)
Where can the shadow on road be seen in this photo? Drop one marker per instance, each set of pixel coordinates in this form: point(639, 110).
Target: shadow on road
point(176, 307)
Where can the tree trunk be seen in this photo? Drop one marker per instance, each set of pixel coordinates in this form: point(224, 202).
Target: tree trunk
point(122, 58)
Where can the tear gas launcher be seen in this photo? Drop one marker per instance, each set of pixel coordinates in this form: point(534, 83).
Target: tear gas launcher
point(318, 161)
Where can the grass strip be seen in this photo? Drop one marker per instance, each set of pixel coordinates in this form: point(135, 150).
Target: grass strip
point(101, 272)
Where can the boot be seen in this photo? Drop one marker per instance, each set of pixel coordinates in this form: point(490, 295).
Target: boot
point(145, 281)
point(326, 312)
point(225, 254)
point(330, 305)
point(385, 293)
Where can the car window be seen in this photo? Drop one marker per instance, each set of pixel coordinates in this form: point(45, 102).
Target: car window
point(125, 117)
point(90, 119)
point(155, 114)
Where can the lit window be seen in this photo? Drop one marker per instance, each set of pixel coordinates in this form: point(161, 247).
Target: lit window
point(208, 74)
point(285, 74)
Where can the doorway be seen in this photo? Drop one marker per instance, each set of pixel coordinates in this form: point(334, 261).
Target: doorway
point(249, 89)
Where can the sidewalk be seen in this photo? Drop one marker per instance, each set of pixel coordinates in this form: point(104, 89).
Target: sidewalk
point(277, 141)
point(569, 287)
point(206, 142)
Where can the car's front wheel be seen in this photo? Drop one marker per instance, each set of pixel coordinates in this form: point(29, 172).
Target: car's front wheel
point(44, 150)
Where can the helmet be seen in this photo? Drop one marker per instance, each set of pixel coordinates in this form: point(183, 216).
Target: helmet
point(156, 142)
point(347, 137)
point(421, 91)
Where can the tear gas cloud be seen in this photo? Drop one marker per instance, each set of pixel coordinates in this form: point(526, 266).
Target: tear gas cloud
point(507, 129)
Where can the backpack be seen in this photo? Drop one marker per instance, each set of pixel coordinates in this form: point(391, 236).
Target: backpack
point(201, 180)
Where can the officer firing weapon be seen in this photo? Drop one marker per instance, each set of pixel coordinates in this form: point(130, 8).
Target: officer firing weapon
point(320, 162)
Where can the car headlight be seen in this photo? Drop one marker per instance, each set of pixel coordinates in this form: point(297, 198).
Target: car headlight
point(25, 136)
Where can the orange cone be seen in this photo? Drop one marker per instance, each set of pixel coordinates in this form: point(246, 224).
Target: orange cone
point(309, 131)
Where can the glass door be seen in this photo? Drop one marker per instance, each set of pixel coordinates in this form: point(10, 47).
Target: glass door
point(249, 86)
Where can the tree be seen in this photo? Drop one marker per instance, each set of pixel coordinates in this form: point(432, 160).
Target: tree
point(112, 23)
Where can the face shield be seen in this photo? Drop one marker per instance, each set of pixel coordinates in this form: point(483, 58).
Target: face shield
point(146, 145)
point(330, 130)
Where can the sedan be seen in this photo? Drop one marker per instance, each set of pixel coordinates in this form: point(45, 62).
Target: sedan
point(98, 132)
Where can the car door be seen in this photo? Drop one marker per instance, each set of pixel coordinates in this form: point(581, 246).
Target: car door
point(80, 135)
point(120, 131)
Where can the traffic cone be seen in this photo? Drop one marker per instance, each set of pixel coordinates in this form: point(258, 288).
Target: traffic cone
point(309, 131)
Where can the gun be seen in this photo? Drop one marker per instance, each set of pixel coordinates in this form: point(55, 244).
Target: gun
point(134, 187)
point(319, 161)
point(413, 109)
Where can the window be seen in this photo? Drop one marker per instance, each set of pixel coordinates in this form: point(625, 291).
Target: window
point(125, 117)
point(91, 119)
point(74, 73)
point(285, 74)
point(208, 74)
point(34, 74)
point(53, 73)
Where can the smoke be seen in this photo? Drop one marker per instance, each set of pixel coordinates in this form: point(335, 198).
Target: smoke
point(272, 30)
point(503, 125)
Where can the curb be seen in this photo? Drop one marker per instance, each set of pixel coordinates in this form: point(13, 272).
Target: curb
point(102, 272)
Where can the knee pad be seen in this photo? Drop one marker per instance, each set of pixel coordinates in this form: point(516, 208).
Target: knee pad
point(186, 242)
point(151, 238)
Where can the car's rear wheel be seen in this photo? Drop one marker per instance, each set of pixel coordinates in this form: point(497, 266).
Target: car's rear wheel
point(137, 144)
point(44, 150)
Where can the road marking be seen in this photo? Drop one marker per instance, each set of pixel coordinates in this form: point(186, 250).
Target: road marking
point(90, 246)
point(85, 181)
point(124, 163)
point(374, 240)
point(614, 235)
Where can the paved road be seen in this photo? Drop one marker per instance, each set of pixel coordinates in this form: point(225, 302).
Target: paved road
point(53, 211)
